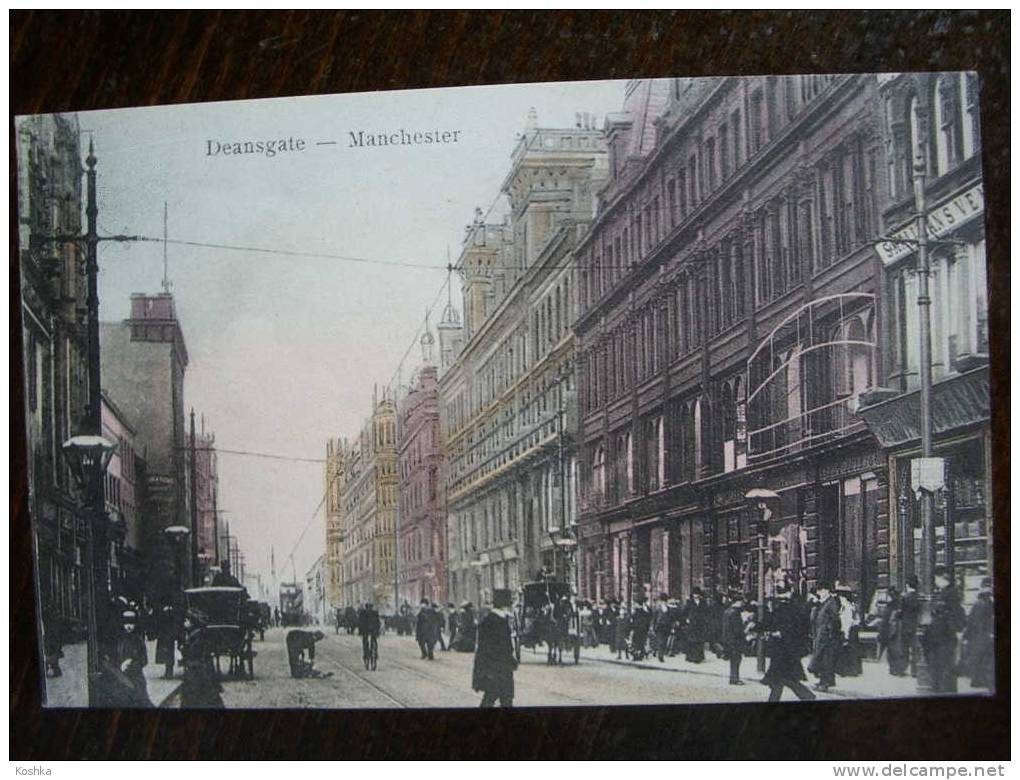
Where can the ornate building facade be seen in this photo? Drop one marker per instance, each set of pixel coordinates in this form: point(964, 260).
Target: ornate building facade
point(54, 317)
point(369, 511)
point(507, 398)
point(934, 117)
point(337, 451)
point(421, 524)
point(730, 298)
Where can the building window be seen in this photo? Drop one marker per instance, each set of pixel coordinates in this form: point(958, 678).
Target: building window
point(692, 185)
point(757, 121)
point(629, 454)
point(682, 192)
point(735, 124)
point(970, 135)
point(598, 471)
point(710, 164)
point(914, 135)
point(697, 441)
point(671, 201)
point(724, 151)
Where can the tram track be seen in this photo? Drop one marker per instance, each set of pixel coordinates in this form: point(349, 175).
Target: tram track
point(366, 682)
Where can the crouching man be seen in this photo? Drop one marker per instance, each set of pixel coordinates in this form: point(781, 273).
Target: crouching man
point(301, 652)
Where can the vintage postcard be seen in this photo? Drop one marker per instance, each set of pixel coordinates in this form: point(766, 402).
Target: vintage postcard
point(620, 392)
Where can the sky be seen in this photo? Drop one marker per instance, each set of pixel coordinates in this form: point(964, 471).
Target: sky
point(285, 351)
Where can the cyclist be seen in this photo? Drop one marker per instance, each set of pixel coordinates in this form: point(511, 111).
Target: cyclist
point(368, 630)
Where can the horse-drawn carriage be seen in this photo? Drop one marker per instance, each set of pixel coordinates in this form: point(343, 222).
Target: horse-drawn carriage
point(545, 615)
point(228, 622)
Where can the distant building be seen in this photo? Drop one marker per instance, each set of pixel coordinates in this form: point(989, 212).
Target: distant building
point(337, 451)
point(421, 526)
point(507, 399)
point(369, 498)
point(143, 365)
point(206, 492)
point(55, 320)
point(315, 588)
point(124, 501)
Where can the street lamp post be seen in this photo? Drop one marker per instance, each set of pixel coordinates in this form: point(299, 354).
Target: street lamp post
point(88, 457)
point(762, 501)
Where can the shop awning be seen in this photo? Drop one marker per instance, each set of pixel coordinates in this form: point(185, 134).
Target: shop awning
point(958, 402)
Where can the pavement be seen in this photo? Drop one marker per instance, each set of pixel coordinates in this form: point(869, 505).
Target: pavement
point(70, 690)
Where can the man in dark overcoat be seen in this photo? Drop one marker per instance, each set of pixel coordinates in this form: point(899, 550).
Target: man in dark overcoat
point(828, 637)
point(662, 626)
point(910, 612)
point(979, 653)
point(493, 673)
point(890, 634)
point(466, 628)
point(696, 619)
point(732, 635)
point(167, 635)
point(940, 639)
point(426, 630)
point(641, 622)
point(785, 633)
point(451, 624)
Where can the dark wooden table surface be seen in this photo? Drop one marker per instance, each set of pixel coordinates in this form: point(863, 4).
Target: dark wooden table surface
point(88, 60)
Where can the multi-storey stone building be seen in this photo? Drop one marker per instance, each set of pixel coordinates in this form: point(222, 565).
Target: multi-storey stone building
point(123, 490)
point(336, 453)
point(507, 399)
point(421, 523)
point(935, 117)
point(206, 495)
point(730, 299)
point(143, 361)
point(55, 320)
point(369, 508)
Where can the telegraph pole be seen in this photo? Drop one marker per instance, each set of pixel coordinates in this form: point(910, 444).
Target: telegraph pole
point(926, 580)
point(195, 574)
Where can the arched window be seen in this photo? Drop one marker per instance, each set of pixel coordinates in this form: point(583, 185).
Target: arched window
point(970, 133)
point(944, 125)
point(629, 454)
point(914, 136)
point(698, 450)
point(598, 472)
point(728, 418)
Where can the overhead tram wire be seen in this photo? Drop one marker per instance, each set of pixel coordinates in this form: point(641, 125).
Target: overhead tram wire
point(414, 340)
point(250, 454)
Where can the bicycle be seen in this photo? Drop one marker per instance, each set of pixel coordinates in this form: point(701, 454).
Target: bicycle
point(372, 657)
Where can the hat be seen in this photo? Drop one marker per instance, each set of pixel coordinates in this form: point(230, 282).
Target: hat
point(823, 585)
point(912, 581)
point(663, 597)
point(500, 598)
point(696, 592)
